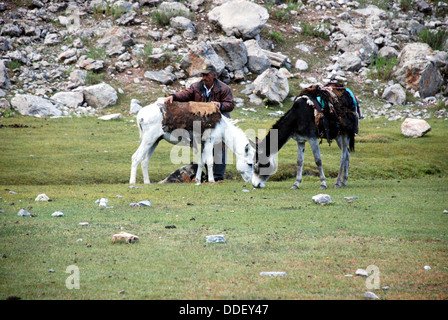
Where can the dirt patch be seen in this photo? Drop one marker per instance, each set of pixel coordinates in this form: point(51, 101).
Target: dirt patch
point(16, 125)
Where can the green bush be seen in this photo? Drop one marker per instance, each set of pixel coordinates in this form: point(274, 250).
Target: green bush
point(382, 67)
point(435, 39)
point(162, 18)
point(94, 78)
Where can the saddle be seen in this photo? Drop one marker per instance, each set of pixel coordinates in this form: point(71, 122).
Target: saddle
point(190, 116)
point(335, 110)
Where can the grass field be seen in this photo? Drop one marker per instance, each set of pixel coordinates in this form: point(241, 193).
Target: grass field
point(396, 223)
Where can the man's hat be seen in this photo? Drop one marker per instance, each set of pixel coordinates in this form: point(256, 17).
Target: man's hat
point(208, 68)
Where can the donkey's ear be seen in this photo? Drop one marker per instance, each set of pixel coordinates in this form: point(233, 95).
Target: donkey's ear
point(253, 144)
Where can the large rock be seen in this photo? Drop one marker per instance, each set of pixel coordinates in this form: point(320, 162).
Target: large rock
point(5, 83)
point(12, 30)
point(163, 76)
point(257, 60)
point(272, 85)
point(182, 23)
point(418, 69)
point(350, 61)
point(100, 95)
point(69, 99)
point(240, 18)
point(415, 128)
point(115, 41)
point(359, 41)
point(172, 8)
point(232, 51)
point(395, 94)
point(194, 60)
point(29, 105)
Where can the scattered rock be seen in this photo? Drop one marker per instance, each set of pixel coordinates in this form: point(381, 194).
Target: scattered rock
point(124, 236)
point(113, 116)
point(370, 296)
point(362, 273)
point(215, 239)
point(57, 214)
point(322, 199)
point(273, 273)
point(24, 213)
point(42, 197)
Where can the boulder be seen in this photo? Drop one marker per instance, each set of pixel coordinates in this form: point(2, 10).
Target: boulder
point(5, 83)
point(90, 64)
point(100, 95)
point(417, 69)
point(350, 61)
point(163, 76)
point(182, 23)
point(78, 77)
point(272, 85)
point(358, 41)
point(395, 94)
point(257, 60)
point(415, 128)
point(135, 106)
point(115, 41)
point(232, 51)
point(194, 60)
point(29, 105)
point(301, 65)
point(388, 52)
point(69, 99)
point(172, 8)
point(322, 199)
point(12, 30)
point(240, 18)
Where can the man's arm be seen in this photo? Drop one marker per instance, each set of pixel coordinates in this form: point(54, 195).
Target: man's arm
point(226, 99)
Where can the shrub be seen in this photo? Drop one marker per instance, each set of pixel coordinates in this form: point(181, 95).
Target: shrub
point(435, 39)
point(97, 53)
point(320, 31)
point(162, 18)
point(383, 68)
point(276, 36)
point(94, 78)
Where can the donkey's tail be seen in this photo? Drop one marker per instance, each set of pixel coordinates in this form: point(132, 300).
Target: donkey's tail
point(351, 144)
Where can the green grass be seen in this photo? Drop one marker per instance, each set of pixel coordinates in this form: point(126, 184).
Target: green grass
point(397, 223)
point(397, 226)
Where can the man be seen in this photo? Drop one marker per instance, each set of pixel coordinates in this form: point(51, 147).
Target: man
point(210, 89)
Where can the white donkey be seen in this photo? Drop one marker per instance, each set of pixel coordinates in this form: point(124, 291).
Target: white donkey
point(149, 121)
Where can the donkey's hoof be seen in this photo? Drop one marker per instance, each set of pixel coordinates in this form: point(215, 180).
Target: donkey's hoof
point(323, 187)
point(337, 186)
point(294, 187)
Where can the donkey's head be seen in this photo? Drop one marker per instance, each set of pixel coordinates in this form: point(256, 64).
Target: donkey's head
point(244, 163)
point(265, 164)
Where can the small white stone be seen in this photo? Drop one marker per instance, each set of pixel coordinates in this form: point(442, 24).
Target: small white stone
point(370, 296)
point(57, 214)
point(273, 273)
point(42, 197)
point(362, 272)
point(215, 239)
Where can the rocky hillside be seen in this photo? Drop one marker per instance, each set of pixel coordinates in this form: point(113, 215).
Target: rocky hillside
point(93, 57)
